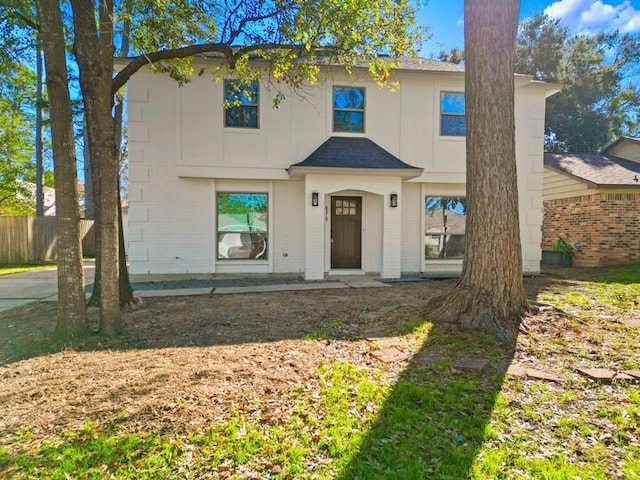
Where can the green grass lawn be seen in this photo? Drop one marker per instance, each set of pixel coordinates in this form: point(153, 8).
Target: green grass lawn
point(354, 421)
point(9, 269)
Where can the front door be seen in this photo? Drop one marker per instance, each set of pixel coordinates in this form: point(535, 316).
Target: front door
point(346, 232)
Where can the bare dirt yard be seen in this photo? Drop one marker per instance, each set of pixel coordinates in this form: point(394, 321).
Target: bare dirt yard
point(204, 354)
point(187, 364)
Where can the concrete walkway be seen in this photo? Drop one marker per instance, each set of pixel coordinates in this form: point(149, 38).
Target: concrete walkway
point(21, 288)
point(282, 287)
point(41, 285)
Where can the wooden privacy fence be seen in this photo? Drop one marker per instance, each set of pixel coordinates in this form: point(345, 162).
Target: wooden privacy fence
point(33, 239)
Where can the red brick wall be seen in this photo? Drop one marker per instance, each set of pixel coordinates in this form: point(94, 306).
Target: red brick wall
point(607, 226)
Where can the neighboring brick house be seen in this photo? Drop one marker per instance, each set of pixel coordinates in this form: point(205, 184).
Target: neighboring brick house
point(594, 200)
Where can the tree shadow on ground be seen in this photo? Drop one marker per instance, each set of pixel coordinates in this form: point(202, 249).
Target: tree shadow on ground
point(208, 320)
point(436, 418)
point(434, 422)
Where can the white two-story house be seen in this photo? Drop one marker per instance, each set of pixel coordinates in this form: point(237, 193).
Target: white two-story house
point(342, 177)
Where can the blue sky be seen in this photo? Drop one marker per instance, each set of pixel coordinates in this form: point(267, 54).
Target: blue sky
point(581, 16)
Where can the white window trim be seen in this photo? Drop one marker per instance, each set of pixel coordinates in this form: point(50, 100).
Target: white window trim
point(332, 111)
point(438, 115)
point(231, 129)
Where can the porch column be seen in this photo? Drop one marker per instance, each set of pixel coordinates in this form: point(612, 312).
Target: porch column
point(391, 237)
point(314, 234)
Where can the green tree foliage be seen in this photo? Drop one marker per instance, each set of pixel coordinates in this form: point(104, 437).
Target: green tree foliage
point(292, 36)
point(596, 103)
point(455, 55)
point(17, 92)
point(17, 108)
point(540, 47)
point(16, 137)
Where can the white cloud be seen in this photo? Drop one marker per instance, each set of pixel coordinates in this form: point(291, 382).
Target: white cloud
point(594, 16)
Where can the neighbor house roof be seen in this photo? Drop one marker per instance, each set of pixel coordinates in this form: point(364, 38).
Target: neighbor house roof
point(618, 141)
point(594, 168)
point(354, 153)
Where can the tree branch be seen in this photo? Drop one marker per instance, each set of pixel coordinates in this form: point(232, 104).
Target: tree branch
point(140, 61)
point(234, 33)
point(28, 21)
point(106, 30)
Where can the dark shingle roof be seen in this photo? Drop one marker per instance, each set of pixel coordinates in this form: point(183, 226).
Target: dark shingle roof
point(602, 170)
point(400, 63)
point(422, 64)
point(352, 152)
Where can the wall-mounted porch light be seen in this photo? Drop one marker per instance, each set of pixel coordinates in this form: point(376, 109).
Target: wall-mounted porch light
point(314, 198)
point(393, 200)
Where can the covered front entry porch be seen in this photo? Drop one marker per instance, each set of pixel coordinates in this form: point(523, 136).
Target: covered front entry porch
point(353, 216)
point(353, 229)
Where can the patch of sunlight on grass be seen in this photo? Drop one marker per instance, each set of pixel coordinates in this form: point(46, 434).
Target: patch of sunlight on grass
point(577, 299)
point(89, 453)
point(327, 426)
point(10, 269)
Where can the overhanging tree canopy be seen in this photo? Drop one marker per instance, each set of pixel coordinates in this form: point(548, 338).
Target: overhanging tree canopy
point(166, 35)
point(597, 103)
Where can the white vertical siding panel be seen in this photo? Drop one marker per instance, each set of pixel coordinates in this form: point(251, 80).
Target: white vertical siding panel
point(372, 206)
point(412, 230)
point(288, 236)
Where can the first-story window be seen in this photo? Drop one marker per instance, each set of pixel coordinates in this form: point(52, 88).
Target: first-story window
point(444, 220)
point(241, 104)
point(242, 225)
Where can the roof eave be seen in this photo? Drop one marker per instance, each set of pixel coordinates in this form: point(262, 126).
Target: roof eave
point(619, 185)
point(589, 183)
point(405, 173)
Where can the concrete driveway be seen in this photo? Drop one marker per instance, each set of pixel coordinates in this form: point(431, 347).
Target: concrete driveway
point(22, 288)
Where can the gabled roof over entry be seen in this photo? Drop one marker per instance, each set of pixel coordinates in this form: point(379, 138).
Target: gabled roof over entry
point(353, 153)
point(596, 169)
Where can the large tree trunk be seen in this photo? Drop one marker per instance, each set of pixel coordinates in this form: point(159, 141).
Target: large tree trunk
point(489, 295)
point(96, 170)
point(94, 51)
point(89, 198)
point(72, 318)
point(39, 151)
point(127, 296)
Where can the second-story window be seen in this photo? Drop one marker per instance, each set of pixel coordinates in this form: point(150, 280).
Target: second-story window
point(241, 104)
point(348, 109)
point(453, 120)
